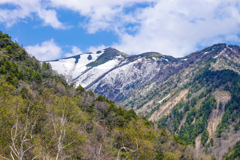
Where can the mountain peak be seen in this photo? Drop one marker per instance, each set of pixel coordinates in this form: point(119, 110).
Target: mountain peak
point(153, 54)
point(108, 54)
point(113, 52)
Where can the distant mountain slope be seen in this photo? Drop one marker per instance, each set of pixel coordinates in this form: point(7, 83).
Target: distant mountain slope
point(217, 57)
point(42, 117)
point(196, 97)
point(200, 103)
point(85, 68)
point(115, 74)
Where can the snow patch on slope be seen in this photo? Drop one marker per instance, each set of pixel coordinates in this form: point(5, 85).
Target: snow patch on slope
point(63, 66)
point(94, 73)
point(126, 77)
point(81, 66)
point(164, 98)
point(69, 68)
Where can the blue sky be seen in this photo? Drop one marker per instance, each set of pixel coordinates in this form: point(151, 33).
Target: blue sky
point(51, 29)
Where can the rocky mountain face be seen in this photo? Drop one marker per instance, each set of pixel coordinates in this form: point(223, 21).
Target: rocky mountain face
point(85, 68)
point(199, 103)
point(43, 117)
point(195, 96)
point(219, 56)
point(115, 74)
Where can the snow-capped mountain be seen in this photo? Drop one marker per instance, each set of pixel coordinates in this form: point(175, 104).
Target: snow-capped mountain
point(115, 74)
point(170, 91)
point(85, 68)
point(74, 66)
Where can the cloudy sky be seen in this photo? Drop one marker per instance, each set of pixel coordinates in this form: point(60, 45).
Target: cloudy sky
point(51, 29)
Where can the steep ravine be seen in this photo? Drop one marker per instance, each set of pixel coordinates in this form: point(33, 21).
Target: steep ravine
point(167, 107)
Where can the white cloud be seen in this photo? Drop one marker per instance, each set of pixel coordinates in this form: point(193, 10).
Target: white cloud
point(48, 50)
point(50, 18)
point(96, 48)
point(174, 27)
point(178, 27)
point(100, 14)
point(26, 9)
point(75, 51)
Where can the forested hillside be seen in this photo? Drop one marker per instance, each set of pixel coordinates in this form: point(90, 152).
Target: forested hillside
point(234, 153)
point(43, 117)
point(200, 104)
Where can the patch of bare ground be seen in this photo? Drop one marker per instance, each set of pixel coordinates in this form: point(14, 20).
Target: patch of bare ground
point(182, 121)
point(222, 64)
point(220, 144)
point(166, 108)
point(185, 116)
point(216, 114)
point(198, 105)
point(145, 107)
point(198, 144)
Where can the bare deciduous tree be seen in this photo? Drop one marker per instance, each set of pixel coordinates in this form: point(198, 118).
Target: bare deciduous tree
point(128, 150)
point(22, 137)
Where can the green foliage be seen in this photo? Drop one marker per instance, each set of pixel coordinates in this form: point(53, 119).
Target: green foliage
point(103, 99)
point(211, 142)
point(124, 116)
point(80, 89)
point(24, 93)
point(235, 154)
point(204, 137)
point(9, 49)
point(46, 65)
point(194, 101)
point(226, 87)
point(178, 140)
point(43, 118)
point(220, 105)
point(36, 76)
point(202, 94)
point(10, 71)
point(190, 131)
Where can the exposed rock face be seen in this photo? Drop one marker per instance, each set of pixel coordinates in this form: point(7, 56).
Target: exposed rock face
point(168, 106)
point(136, 71)
point(179, 72)
point(116, 75)
point(144, 81)
point(132, 73)
point(217, 57)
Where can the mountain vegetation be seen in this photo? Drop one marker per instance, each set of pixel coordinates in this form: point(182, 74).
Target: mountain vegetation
point(191, 130)
point(233, 153)
point(200, 103)
point(44, 117)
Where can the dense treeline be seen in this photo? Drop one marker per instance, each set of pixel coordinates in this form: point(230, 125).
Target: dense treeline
point(197, 119)
point(43, 117)
point(233, 154)
point(226, 78)
point(190, 130)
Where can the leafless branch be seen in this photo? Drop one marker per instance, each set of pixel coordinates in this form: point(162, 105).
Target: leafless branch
point(127, 150)
point(4, 157)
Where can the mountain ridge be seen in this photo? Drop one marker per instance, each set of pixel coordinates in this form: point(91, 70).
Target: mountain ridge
point(168, 66)
point(212, 72)
point(175, 91)
point(43, 117)
point(154, 56)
